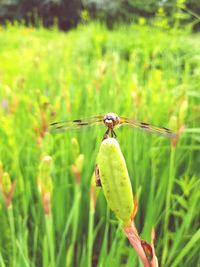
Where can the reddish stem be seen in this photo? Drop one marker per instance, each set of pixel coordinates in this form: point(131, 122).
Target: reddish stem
point(145, 251)
point(133, 237)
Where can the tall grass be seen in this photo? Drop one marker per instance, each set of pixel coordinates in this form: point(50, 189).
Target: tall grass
point(135, 71)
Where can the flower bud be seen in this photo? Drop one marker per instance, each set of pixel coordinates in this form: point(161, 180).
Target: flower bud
point(1, 171)
point(75, 148)
point(115, 180)
point(173, 123)
point(6, 183)
point(183, 111)
point(45, 183)
point(44, 176)
point(6, 187)
point(79, 162)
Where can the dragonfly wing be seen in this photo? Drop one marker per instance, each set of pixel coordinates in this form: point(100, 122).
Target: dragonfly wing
point(147, 127)
point(74, 124)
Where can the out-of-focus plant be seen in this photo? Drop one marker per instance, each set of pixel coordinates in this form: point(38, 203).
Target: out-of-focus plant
point(177, 122)
point(45, 187)
point(45, 183)
point(78, 160)
point(6, 186)
point(161, 19)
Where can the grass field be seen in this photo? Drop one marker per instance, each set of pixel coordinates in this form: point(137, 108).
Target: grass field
point(136, 71)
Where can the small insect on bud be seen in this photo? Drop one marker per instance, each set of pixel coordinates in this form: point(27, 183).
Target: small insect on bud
point(115, 180)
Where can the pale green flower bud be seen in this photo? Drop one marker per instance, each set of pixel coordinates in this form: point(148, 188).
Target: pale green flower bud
point(75, 148)
point(44, 176)
point(79, 162)
point(183, 111)
point(115, 180)
point(1, 171)
point(6, 182)
point(173, 123)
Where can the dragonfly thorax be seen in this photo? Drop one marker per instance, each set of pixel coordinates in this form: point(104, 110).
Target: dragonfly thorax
point(111, 120)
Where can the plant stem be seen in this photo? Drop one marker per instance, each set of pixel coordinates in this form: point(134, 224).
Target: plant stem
point(90, 228)
point(133, 237)
point(167, 209)
point(50, 238)
point(12, 230)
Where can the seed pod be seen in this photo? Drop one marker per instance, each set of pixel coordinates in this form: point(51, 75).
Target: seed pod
point(115, 180)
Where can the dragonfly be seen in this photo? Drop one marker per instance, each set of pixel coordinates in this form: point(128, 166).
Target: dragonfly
point(111, 122)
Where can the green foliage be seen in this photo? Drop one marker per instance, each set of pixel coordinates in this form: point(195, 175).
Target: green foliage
point(145, 72)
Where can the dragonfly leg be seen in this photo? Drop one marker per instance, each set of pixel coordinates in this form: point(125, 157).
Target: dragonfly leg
point(113, 134)
point(97, 176)
point(106, 134)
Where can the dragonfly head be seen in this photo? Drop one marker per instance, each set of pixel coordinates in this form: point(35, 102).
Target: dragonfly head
point(111, 120)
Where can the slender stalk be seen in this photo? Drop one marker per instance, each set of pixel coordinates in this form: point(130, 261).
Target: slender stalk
point(188, 247)
point(133, 237)
point(90, 228)
point(75, 220)
point(167, 209)
point(2, 264)
point(66, 229)
point(12, 231)
point(50, 238)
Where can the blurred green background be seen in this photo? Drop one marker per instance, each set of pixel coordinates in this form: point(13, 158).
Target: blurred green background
point(146, 67)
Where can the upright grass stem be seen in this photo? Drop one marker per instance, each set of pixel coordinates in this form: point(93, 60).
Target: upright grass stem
point(75, 221)
point(50, 238)
point(66, 230)
point(167, 208)
point(12, 232)
point(2, 263)
point(91, 225)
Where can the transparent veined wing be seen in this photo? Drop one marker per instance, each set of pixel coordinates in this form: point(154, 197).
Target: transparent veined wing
point(147, 127)
point(74, 124)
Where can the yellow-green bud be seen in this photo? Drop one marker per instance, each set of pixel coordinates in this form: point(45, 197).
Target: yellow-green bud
point(173, 123)
point(44, 177)
point(6, 182)
point(1, 171)
point(75, 148)
point(183, 111)
point(115, 180)
point(79, 162)
point(45, 167)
